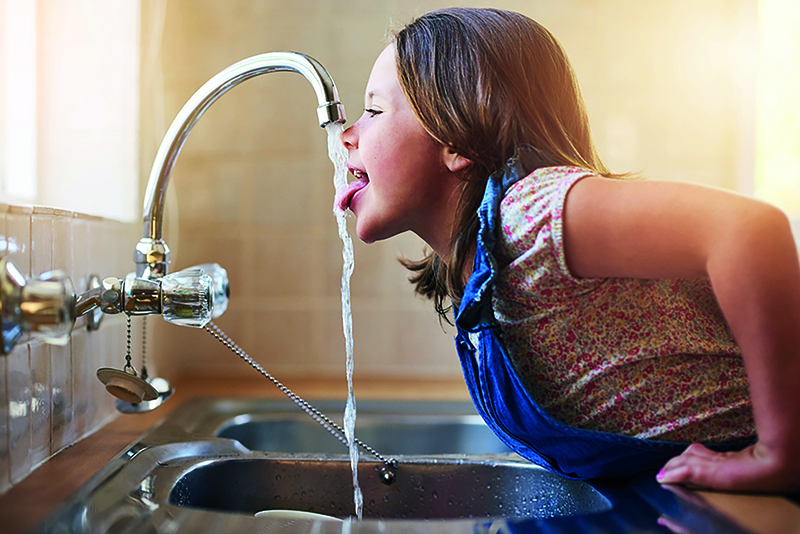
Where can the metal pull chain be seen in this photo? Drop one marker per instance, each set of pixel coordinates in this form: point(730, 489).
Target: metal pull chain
point(128, 367)
point(389, 467)
point(144, 347)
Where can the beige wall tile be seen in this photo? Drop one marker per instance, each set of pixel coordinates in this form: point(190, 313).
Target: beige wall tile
point(61, 390)
point(5, 460)
point(18, 227)
point(41, 407)
point(82, 382)
point(41, 240)
point(20, 394)
point(284, 267)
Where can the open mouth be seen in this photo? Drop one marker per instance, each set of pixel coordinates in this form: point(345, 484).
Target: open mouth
point(361, 181)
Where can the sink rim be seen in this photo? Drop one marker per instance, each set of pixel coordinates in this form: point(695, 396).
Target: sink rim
point(428, 435)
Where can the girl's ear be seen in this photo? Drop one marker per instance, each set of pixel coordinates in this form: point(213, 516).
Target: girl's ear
point(454, 161)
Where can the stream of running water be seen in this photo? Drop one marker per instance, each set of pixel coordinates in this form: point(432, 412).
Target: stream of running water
point(338, 155)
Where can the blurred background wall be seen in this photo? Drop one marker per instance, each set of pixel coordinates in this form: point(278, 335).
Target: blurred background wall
point(670, 88)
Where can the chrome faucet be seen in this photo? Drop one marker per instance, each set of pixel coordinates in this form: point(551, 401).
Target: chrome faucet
point(46, 307)
point(152, 255)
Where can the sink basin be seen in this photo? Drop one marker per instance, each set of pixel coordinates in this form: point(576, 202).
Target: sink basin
point(433, 489)
point(212, 464)
point(466, 470)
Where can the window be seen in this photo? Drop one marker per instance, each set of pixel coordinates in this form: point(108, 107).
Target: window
point(18, 100)
point(70, 103)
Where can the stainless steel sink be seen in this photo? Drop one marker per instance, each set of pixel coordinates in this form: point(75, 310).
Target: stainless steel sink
point(213, 463)
point(451, 465)
point(423, 489)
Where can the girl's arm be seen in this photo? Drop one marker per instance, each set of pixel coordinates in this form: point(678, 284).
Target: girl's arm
point(640, 229)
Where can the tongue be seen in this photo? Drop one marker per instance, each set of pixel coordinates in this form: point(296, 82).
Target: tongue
point(344, 197)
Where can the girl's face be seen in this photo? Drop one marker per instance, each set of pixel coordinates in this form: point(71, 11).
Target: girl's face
point(402, 182)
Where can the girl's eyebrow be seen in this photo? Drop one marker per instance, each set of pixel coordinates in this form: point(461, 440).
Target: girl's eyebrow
point(370, 96)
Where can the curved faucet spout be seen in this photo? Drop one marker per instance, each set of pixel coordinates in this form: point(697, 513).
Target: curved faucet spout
point(152, 254)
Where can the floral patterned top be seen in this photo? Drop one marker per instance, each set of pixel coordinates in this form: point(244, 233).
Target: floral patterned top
point(652, 359)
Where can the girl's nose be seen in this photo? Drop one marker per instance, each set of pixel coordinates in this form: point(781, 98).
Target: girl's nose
point(349, 138)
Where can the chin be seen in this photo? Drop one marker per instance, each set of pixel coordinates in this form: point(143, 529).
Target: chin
point(369, 234)
point(363, 233)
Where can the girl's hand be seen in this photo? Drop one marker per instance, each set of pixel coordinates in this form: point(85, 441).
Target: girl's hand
point(754, 469)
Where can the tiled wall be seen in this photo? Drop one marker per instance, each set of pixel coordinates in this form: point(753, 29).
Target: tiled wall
point(49, 395)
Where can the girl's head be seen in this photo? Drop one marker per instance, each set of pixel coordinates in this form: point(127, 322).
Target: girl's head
point(485, 80)
point(480, 82)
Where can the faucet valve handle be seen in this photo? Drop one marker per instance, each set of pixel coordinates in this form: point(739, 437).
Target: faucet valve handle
point(48, 307)
point(187, 298)
point(219, 286)
point(43, 306)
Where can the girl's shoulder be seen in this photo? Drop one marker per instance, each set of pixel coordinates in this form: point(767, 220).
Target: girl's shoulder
point(543, 189)
point(531, 214)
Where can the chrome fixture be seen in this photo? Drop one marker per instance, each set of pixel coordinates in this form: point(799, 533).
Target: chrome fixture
point(46, 306)
point(190, 297)
point(152, 255)
point(42, 307)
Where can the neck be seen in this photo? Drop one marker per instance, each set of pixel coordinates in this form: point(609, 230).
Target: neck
point(439, 232)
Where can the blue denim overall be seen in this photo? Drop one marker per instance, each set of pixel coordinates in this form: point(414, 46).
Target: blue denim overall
point(496, 390)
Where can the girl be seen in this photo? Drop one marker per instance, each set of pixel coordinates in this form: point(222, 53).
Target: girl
point(604, 324)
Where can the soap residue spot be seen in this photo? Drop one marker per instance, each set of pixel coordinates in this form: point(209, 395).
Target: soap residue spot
point(338, 155)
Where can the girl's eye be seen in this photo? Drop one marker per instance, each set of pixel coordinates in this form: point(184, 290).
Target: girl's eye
point(373, 112)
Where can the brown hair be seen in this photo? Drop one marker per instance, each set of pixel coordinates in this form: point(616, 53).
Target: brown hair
point(484, 81)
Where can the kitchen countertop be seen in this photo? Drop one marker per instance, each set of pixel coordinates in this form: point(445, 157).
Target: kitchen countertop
point(29, 502)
